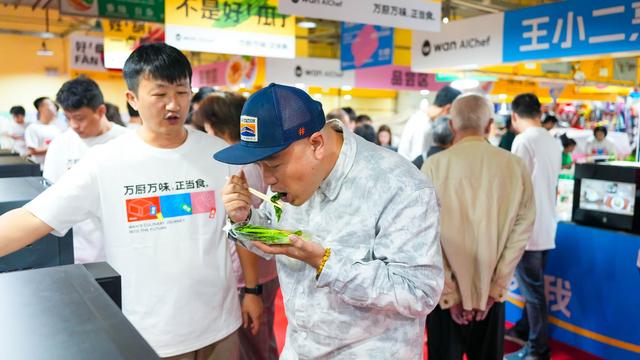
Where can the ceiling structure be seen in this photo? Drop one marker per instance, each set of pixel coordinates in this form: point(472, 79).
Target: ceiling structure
point(30, 17)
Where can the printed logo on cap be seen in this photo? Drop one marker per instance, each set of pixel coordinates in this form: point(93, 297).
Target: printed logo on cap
point(248, 128)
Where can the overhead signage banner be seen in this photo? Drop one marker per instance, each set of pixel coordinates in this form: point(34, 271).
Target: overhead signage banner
point(86, 53)
point(308, 71)
point(466, 43)
point(365, 46)
point(571, 28)
point(238, 72)
point(393, 77)
point(79, 7)
point(140, 10)
point(409, 14)
point(121, 37)
point(240, 27)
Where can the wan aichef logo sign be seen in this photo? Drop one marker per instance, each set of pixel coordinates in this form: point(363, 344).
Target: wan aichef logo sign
point(463, 44)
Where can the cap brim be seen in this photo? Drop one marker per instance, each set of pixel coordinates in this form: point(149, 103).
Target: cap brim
point(239, 154)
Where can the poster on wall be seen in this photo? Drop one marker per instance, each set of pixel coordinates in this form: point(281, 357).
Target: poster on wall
point(243, 27)
point(86, 53)
point(140, 10)
point(364, 46)
point(308, 71)
point(408, 14)
point(79, 7)
point(235, 73)
point(468, 43)
point(121, 37)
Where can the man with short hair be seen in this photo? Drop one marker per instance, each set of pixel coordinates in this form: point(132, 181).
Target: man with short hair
point(416, 136)
point(156, 192)
point(84, 108)
point(16, 130)
point(38, 136)
point(362, 285)
point(488, 212)
point(542, 154)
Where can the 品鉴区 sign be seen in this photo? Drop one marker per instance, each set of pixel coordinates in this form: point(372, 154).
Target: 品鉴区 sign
point(393, 77)
point(409, 14)
point(121, 37)
point(365, 46)
point(245, 27)
point(571, 28)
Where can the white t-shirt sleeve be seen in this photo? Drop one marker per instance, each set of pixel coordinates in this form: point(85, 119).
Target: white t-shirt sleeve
point(31, 137)
point(54, 165)
point(74, 198)
point(520, 149)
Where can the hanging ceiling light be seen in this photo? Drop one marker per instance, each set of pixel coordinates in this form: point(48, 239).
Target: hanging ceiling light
point(43, 51)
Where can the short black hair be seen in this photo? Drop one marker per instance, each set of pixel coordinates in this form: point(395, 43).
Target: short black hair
point(38, 101)
point(113, 114)
point(352, 113)
point(79, 93)
point(132, 112)
point(602, 129)
point(567, 141)
point(17, 111)
point(527, 106)
point(367, 132)
point(362, 118)
point(158, 61)
point(550, 118)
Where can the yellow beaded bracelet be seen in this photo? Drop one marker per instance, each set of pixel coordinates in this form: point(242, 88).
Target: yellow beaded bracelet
point(327, 253)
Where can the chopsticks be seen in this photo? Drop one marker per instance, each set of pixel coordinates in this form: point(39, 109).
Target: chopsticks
point(264, 197)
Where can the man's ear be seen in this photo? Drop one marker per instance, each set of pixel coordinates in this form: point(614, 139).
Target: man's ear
point(132, 99)
point(453, 131)
point(101, 110)
point(487, 129)
point(318, 144)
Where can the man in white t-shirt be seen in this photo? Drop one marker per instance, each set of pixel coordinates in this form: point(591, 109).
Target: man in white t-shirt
point(156, 193)
point(542, 154)
point(84, 108)
point(15, 130)
point(417, 137)
point(38, 136)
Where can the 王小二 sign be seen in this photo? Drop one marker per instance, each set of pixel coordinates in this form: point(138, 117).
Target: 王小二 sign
point(244, 27)
point(572, 28)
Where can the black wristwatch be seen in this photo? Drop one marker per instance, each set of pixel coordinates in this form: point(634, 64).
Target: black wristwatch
point(255, 291)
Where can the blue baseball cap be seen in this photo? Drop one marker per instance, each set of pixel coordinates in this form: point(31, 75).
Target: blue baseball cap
point(272, 119)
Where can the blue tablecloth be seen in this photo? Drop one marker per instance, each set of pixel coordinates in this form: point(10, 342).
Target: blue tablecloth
point(592, 283)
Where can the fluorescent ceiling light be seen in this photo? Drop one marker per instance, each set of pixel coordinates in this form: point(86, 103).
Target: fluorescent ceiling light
point(346, 88)
point(465, 84)
point(307, 24)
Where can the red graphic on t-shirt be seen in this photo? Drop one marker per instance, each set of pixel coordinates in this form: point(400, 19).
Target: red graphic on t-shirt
point(204, 202)
point(143, 209)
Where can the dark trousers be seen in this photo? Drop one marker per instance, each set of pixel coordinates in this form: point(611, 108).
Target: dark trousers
point(479, 340)
point(530, 276)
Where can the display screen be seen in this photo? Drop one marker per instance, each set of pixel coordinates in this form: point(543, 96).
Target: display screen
point(607, 196)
